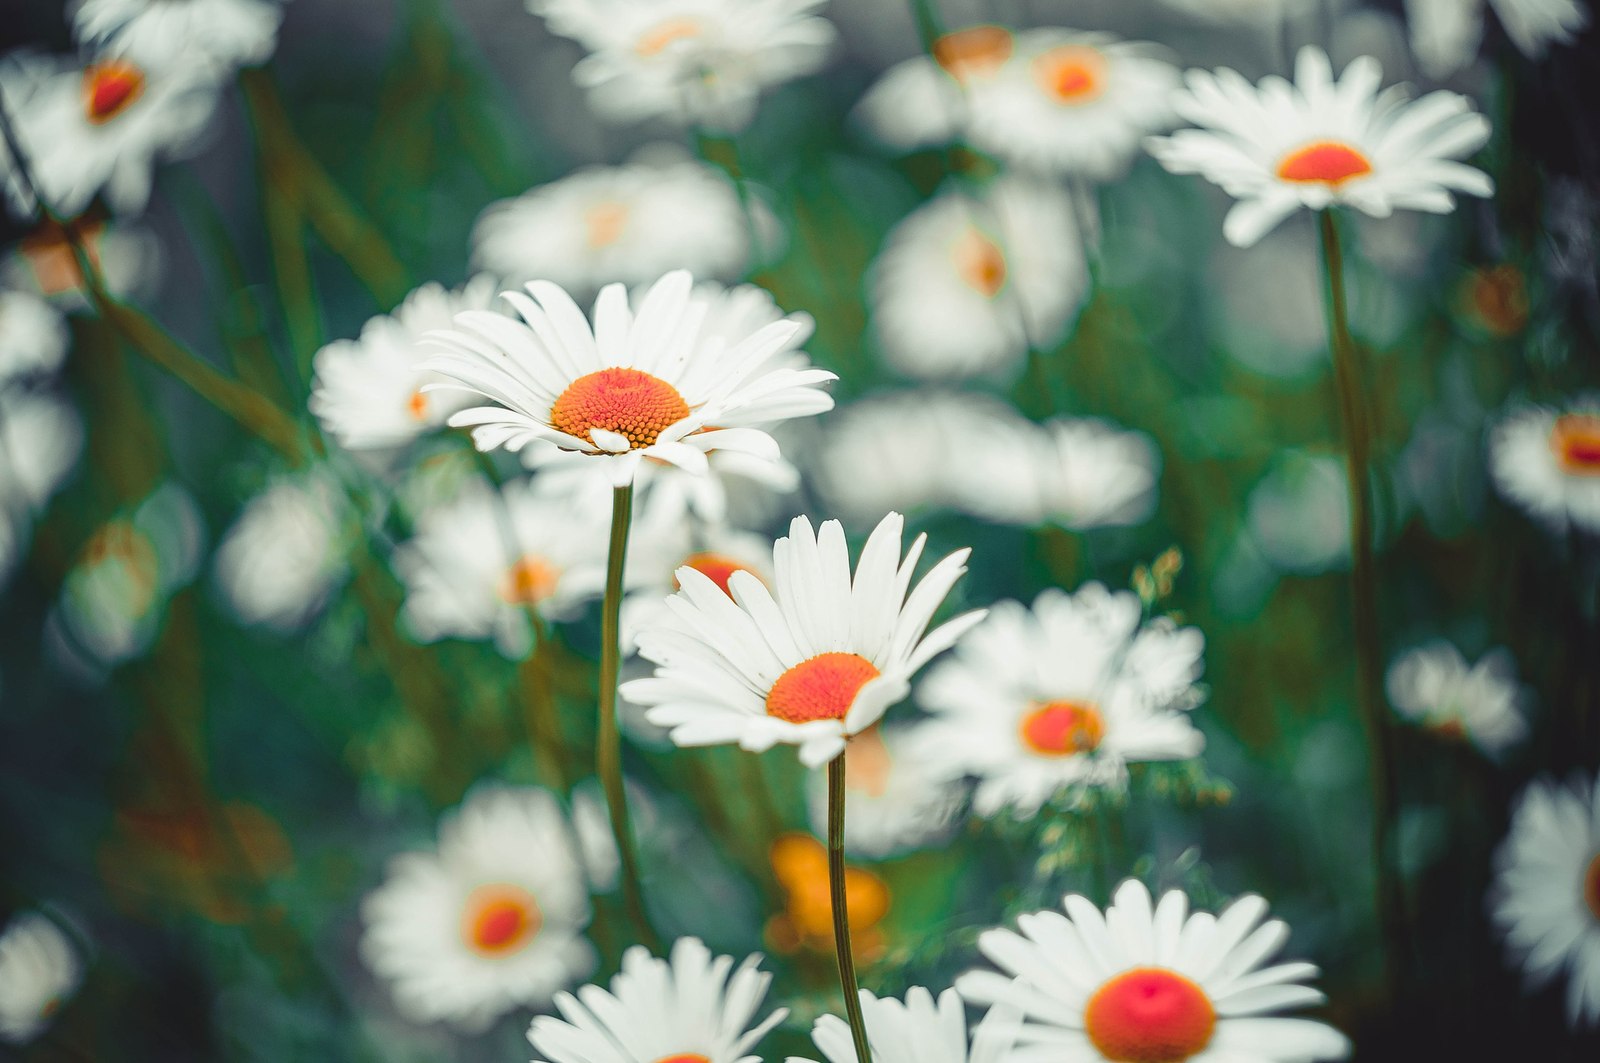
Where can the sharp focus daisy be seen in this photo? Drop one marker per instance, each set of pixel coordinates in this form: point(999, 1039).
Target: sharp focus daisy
point(1547, 461)
point(1069, 692)
point(39, 970)
point(896, 802)
point(33, 337)
point(1445, 33)
point(1153, 982)
point(165, 33)
point(918, 1030)
point(371, 393)
point(644, 381)
point(695, 61)
point(627, 223)
point(922, 100)
point(1278, 148)
point(282, 557)
point(964, 286)
point(1435, 688)
point(490, 920)
point(811, 662)
point(1546, 898)
point(695, 1008)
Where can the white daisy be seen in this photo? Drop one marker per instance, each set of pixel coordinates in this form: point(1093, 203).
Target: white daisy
point(490, 921)
point(43, 262)
point(662, 547)
point(645, 383)
point(1138, 983)
point(39, 969)
point(370, 393)
point(964, 287)
point(1317, 143)
point(282, 557)
point(1445, 33)
point(1298, 513)
point(165, 33)
point(1548, 462)
point(1077, 472)
point(1546, 897)
point(1260, 12)
point(921, 101)
point(1068, 693)
point(478, 564)
point(810, 663)
point(693, 1009)
point(917, 1031)
point(627, 223)
point(694, 61)
point(33, 337)
point(1433, 686)
point(896, 802)
point(41, 437)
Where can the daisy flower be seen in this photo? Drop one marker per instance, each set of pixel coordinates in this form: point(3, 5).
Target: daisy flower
point(166, 33)
point(662, 548)
point(1069, 692)
point(1318, 143)
point(490, 920)
point(697, 62)
point(33, 337)
point(812, 662)
point(1079, 473)
point(921, 101)
point(1547, 461)
point(1546, 898)
point(39, 969)
point(1433, 687)
point(464, 579)
point(694, 1009)
point(43, 263)
point(1445, 33)
point(1153, 983)
point(896, 802)
point(1260, 12)
point(964, 287)
point(282, 557)
point(370, 393)
point(917, 1030)
point(41, 437)
point(641, 383)
point(627, 223)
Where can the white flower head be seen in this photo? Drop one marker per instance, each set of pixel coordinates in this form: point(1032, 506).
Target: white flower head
point(1546, 897)
point(1298, 514)
point(490, 920)
point(41, 436)
point(43, 262)
point(282, 557)
point(645, 382)
point(694, 1007)
point(1069, 692)
point(1434, 687)
point(1317, 143)
point(693, 61)
point(811, 662)
point(167, 33)
point(897, 801)
point(39, 969)
point(1445, 34)
point(33, 336)
point(1547, 461)
point(1077, 472)
point(921, 100)
point(918, 1030)
point(1144, 981)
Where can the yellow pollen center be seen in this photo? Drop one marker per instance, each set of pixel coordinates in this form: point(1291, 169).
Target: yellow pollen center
point(1149, 1015)
point(1063, 728)
point(980, 263)
point(1591, 887)
point(1071, 73)
point(973, 52)
point(500, 919)
point(604, 223)
point(718, 567)
point(109, 87)
point(820, 688)
point(867, 764)
point(663, 35)
point(1326, 162)
point(529, 581)
point(1576, 443)
point(628, 402)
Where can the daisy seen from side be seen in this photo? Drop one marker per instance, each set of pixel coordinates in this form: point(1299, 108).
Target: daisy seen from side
point(1546, 460)
point(1433, 687)
point(921, 101)
point(39, 970)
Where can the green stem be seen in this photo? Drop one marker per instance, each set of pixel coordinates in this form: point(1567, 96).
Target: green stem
point(608, 746)
point(1390, 902)
point(841, 911)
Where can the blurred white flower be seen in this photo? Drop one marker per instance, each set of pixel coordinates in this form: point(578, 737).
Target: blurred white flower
point(1279, 148)
point(918, 1031)
point(1259, 12)
point(921, 100)
point(1070, 692)
point(33, 337)
point(896, 802)
point(166, 33)
point(1435, 688)
point(702, 62)
point(1299, 513)
point(490, 921)
point(1445, 33)
point(660, 549)
point(127, 255)
point(39, 970)
point(1077, 472)
point(282, 557)
point(1546, 895)
point(965, 286)
point(41, 437)
point(1547, 461)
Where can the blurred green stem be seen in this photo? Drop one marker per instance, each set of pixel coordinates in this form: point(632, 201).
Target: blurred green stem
point(539, 710)
point(841, 910)
point(291, 269)
point(1391, 903)
point(608, 745)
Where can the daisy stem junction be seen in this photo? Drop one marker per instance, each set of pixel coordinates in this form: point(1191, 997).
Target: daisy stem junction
point(841, 911)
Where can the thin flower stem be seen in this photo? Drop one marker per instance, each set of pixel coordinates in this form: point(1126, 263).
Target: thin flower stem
point(1391, 901)
point(841, 911)
point(608, 744)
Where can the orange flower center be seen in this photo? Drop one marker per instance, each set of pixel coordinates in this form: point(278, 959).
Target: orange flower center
point(1499, 298)
point(867, 764)
point(529, 581)
point(605, 223)
point(973, 52)
point(1062, 728)
point(1591, 886)
point(1325, 162)
point(417, 405)
point(686, 1057)
point(800, 864)
point(626, 401)
point(1071, 73)
point(500, 919)
point(1576, 442)
point(1149, 1015)
point(109, 87)
point(980, 263)
point(718, 567)
point(820, 688)
point(663, 35)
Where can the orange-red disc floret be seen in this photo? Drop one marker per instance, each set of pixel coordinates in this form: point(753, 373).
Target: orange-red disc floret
point(1062, 728)
point(1072, 73)
point(630, 402)
point(500, 919)
point(820, 688)
point(1325, 162)
point(719, 568)
point(1149, 1015)
point(109, 87)
point(686, 1057)
point(974, 50)
point(1576, 442)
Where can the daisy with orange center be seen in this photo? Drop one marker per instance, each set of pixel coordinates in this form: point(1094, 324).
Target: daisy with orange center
point(1153, 984)
point(667, 543)
point(1547, 461)
point(1482, 704)
point(897, 803)
point(40, 968)
point(924, 100)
